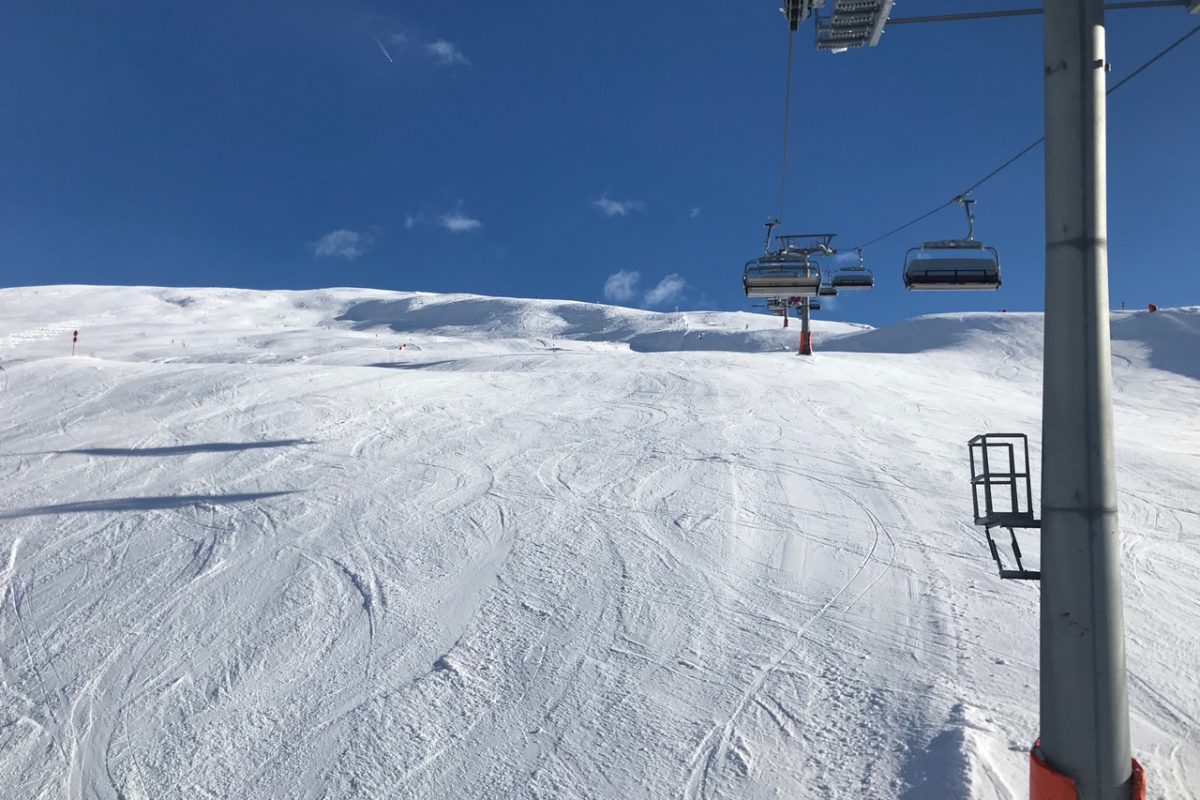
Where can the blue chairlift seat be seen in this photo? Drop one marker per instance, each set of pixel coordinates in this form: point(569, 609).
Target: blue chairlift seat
point(849, 280)
point(856, 278)
point(783, 273)
point(952, 265)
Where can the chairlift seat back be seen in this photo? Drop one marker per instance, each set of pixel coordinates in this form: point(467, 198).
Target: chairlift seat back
point(853, 280)
point(781, 276)
point(950, 269)
point(955, 244)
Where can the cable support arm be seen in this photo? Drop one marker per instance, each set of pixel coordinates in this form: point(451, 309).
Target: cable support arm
point(1027, 12)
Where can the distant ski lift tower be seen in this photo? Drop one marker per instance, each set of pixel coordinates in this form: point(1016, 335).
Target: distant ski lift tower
point(809, 244)
point(853, 23)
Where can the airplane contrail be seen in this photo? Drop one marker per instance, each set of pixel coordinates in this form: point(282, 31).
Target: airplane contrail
point(383, 50)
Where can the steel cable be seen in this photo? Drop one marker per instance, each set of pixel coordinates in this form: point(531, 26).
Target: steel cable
point(1028, 148)
point(787, 118)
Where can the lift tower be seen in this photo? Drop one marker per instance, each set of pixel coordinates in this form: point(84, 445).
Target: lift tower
point(1084, 703)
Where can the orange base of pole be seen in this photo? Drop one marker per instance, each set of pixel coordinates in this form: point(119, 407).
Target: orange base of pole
point(1138, 789)
point(1046, 784)
point(805, 344)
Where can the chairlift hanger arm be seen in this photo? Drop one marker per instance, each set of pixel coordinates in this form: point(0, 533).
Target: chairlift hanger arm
point(967, 204)
point(770, 226)
point(1029, 12)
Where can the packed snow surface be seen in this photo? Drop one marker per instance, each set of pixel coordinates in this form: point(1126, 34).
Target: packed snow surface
point(252, 547)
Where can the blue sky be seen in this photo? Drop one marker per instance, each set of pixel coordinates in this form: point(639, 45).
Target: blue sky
point(535, 149)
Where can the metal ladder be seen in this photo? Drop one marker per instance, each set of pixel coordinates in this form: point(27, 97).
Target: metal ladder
point(1001, 493)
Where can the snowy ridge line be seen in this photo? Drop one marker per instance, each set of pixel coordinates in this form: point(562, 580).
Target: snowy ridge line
point(508, 324)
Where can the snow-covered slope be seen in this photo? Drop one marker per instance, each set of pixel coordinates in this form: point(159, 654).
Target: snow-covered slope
point(250, 547)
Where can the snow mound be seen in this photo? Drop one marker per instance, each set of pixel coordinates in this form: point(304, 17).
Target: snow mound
point(643, 331)
point(965, 331)
point(1168, 339)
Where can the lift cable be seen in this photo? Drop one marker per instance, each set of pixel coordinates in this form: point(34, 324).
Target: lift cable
point(787, 116)
point(1157, 56)
point(1028, 148)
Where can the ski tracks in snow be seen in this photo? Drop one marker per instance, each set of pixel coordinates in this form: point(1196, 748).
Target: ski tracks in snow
point(722, 741)
point(579, 572)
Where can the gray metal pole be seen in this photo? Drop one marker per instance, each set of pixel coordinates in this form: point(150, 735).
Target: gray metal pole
point(805, 333)
point(1084, 705)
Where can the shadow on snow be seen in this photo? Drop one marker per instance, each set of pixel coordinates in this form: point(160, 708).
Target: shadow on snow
point(141, 504)
point(174, 450)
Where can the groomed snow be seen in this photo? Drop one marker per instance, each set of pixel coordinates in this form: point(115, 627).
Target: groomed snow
point(250, 548)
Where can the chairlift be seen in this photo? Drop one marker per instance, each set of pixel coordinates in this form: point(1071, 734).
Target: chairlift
point(784, 273)
point(788, 271)
point(953, 264)
point(855, 278)
point(814, 304)
point(827, 290)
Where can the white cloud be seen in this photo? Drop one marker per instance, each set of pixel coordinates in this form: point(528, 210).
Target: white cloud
point(446, 52)
point(695, 213)
point(410, 222)
point(621, 287)
point(442, 51)
point(617, 208)
point(668, 290)
point(845, 258)
point(341, 244)
point(457, 222)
